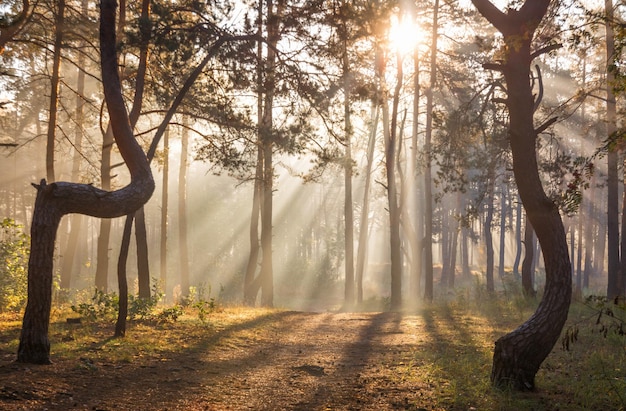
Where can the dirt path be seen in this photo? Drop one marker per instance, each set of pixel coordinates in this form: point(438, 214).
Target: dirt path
point(288, 361)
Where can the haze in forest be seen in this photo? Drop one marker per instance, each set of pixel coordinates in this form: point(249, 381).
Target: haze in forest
point(471, 174)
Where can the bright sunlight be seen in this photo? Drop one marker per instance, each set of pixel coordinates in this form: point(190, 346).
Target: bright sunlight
point(404, 35)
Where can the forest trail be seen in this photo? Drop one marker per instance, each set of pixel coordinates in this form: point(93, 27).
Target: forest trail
point(282, 361)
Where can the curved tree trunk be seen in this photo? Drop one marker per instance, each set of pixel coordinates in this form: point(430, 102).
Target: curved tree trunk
point(57, 199)
point(519, 354)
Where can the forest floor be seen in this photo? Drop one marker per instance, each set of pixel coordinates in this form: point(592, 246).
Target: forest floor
point(246, 359)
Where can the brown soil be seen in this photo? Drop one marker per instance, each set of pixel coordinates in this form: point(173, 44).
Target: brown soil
point(287, 361)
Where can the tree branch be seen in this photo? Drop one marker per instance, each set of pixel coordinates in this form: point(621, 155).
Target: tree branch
point(545, 125)
point(545, 50)
point(493, 14)
point(493, 66)
point(8, 31)
point(189, 83)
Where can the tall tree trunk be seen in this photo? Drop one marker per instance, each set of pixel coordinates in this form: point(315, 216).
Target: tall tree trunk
point(102, 253)
point(590, 244)
point(76, 221)
point(528, 270)
point(164, 212)
point(252, 283)
point(251, 287)
point(267, 270)
point(612, 159)
point(601, 238)
point(465, 250)
point(445, 243)
point(59, 22)
point(183, 246)
point(415, 205)
point(518, 237)
point(57, 199)
point(501, 254)
point(348, 206)
point(122, 280)
point(390, 133)
point(454, 243)
point(363, 223)
point(579, 256)
point(487, 229)
point(428, 188)
point(586, 208)
point(519, 354)
point(143, 266)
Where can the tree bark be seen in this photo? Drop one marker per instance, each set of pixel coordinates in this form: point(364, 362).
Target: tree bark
point(612, 227)
point(57, 199)
point(363, 223)
point(428, 188)
point(487, 228)
point(183, 246)
point(76, 221)
point(251, 283)
point(528, 271)
point(415, 205)
point(141, 236)
point(54, 89)
point(391, 144)
point(519, 354)
point(267, 270)
point(143, 266)
point(348, 206)
point(518, 238)
point(250, 286)
point(502, 231)
point(164, 212)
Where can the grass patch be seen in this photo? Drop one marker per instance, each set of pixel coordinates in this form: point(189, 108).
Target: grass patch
point(456, 355)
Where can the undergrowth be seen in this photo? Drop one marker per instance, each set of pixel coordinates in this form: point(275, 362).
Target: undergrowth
point(450, 362)
point(104, 307)
point(586, 370)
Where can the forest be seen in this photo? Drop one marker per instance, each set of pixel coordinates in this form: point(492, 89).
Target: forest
point(312, 204)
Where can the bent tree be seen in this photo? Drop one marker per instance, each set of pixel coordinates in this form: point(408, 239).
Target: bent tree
point(55, 200)
point(518, 355)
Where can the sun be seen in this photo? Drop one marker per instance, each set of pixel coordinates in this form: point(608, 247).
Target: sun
point(403, 35)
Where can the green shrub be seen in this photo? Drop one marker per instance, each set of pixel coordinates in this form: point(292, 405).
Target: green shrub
point(170, 315)
point(102, 306)
point(14, 251)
